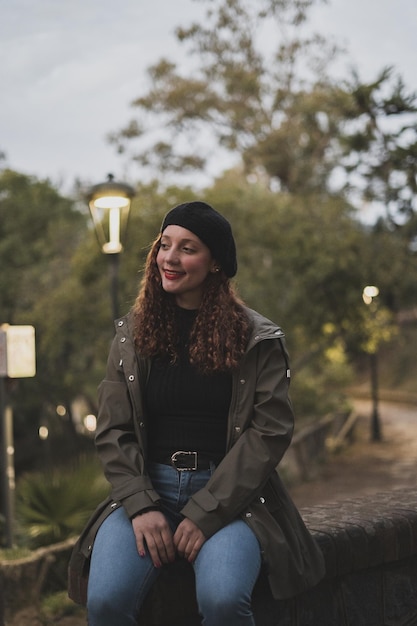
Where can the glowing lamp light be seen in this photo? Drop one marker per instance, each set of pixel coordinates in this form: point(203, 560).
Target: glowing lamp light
point(369, 293)
point(43, 433)
point(109, 205)
point(90, 423)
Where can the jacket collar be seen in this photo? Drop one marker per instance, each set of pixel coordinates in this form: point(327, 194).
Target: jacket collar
point(262, 328)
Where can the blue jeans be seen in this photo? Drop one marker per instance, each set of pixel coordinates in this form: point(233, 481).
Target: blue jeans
point(226, 567)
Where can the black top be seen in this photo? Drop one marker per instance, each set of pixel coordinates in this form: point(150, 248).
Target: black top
point(186, 410)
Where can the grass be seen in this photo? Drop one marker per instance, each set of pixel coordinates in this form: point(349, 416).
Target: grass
point(56, 606)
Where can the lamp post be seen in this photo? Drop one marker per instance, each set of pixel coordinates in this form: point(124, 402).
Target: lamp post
point(369, 293)
point(109, 204)
point(17, 360)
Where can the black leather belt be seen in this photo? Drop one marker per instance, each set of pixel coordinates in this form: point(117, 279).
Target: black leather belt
point(185, 461)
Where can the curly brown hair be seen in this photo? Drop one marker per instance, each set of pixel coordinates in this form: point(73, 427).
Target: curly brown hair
point(221, 330)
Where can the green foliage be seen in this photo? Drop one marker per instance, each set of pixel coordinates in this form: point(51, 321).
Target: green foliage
point(378, 328)
point(39, 229)
point(257, 107)
point(303, 262)
point(11, 554)
point(52, 506)
point(295, 254)
point(282, 115)
point(317, 387)
point(380, 145)
point(39, 232)
point(57, 606)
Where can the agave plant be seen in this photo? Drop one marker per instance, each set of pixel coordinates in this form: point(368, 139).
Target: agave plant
point(55, 505)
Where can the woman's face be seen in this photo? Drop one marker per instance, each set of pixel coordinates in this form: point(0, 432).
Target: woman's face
point(184, 262)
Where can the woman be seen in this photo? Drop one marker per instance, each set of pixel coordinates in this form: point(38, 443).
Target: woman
point(194, 417)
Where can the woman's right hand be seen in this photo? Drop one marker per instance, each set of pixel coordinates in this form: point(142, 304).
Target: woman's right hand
point(152, 531)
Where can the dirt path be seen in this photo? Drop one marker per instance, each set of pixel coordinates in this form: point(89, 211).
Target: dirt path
point(367, 467)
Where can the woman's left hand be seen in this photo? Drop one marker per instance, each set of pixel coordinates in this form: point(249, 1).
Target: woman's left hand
point(188, 539)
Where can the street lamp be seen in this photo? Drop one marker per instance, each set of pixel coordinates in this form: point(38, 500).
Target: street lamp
point(109, 204)
point(369, 293)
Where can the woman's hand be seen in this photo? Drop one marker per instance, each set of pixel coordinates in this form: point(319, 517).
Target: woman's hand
point(152, 531)
point(188, 539)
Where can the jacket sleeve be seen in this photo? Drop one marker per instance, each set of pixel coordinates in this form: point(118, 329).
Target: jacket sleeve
point(117, 442)
point(263, 429)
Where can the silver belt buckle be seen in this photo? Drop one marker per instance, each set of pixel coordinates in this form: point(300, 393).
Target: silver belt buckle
point(174, 460)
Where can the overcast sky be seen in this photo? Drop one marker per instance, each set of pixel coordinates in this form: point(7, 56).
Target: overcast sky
point(69, 70)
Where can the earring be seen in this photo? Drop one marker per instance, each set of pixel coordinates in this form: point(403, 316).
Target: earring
point(216, 270)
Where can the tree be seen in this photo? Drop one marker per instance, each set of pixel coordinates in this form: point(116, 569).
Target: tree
point(257, 108)
point(280, 113)
point(39, 231)
point(379, 147)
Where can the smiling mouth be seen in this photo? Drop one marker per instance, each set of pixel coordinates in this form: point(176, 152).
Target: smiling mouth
point(173, 275)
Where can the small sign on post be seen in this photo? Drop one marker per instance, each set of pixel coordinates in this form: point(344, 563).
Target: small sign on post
point(17, 351)
point(17, 360)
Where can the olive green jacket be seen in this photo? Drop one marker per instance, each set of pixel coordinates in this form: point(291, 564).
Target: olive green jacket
point(245, 484)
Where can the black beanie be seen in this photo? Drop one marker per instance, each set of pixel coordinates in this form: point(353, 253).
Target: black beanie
point(212, 228)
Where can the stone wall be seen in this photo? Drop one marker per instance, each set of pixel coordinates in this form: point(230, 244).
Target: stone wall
point(369, 544)
point(370, 549)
